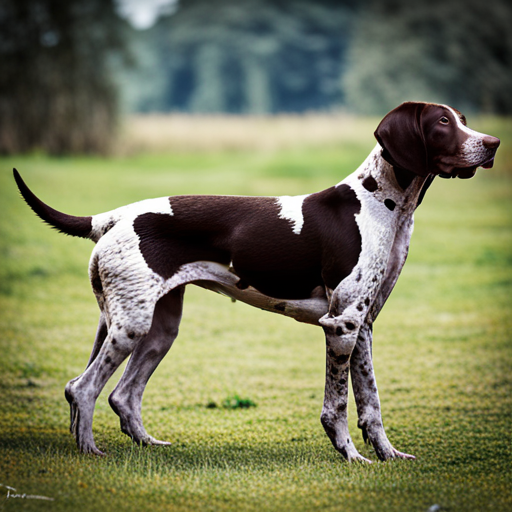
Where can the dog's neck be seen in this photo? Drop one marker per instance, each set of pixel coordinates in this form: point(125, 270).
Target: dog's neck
point(387, 183)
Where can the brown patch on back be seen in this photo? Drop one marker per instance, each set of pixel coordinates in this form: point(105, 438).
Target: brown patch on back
point(247, 232)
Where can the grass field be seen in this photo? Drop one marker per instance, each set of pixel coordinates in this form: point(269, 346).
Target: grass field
point(442, 349)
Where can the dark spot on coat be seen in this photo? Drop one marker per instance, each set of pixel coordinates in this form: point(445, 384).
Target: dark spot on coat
point(107, 227)
point(131, 335)
point(242, 285)
point(339, 331)
point(390, 204)
point(370, 184)
point(359, 275)
point(281, 306)
point(360, 307)
point(96, 284)
point(367, 301)
point(108, 359)
point(342, 359)
point(334, 371)
point(114, 341)
point(350, 326)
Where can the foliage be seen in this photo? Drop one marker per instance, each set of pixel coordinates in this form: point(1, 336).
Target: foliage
point(442, 352)
point(235, 402)
point(457, 52)
point(66, 66)
point(256, 56)
point(56, 88)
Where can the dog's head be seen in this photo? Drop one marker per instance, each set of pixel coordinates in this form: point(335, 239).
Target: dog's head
point(427, 138)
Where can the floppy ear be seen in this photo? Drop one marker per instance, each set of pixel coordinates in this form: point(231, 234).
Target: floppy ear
point(401, 137)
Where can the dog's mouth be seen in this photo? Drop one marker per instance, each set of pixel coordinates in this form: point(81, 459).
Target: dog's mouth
point(467, 172)
point(488, 164)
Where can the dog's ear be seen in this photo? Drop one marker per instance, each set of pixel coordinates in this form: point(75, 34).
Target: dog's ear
point(401, 137)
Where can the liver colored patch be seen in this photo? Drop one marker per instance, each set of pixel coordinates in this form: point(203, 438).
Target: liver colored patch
point(263, 249)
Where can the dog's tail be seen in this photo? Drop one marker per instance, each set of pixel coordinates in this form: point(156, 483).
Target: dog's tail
point(68, 224)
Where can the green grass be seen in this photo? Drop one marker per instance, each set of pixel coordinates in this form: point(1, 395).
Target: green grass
point(442, 354)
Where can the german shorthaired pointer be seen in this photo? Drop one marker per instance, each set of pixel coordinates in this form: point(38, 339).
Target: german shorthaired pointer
point(330, 258)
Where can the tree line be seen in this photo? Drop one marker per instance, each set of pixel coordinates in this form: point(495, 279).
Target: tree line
point(69, 67)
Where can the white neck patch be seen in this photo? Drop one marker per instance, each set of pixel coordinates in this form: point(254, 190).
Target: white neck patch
point(291, 209)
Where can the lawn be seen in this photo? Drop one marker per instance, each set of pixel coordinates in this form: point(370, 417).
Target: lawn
point(442, 350)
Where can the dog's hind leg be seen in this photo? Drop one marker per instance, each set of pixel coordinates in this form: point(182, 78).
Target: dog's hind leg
point(82, 392)
point(101, 335)
point(126, 399)
point(367, 398)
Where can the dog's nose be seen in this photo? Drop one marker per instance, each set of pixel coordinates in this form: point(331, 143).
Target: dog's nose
point(491, 142)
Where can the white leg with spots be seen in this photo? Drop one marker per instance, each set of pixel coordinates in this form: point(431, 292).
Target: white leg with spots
point(82, 392)
point(126, 399)
point(340, 341)
point(367, 398)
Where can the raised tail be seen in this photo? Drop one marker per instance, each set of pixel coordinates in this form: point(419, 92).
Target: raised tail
point(68, 224)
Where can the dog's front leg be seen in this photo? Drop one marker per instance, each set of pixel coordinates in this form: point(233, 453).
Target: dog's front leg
point(367, 397)
point(361, 367)
point(340, 336)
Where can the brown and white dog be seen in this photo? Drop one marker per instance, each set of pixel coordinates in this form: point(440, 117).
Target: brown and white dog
point(330, 258)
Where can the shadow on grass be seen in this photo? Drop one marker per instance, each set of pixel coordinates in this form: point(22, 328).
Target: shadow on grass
point(47, 446)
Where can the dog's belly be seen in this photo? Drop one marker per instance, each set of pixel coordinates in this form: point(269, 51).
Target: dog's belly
point(221, 279)
point(280, 283)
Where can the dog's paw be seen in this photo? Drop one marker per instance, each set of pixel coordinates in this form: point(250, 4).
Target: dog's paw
point(360, 459)
point(389, 453)
point(81, 428)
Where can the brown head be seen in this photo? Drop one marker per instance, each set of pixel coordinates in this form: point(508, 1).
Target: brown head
point(427, 138)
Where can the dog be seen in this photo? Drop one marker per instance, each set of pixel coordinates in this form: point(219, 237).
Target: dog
point(329, 258)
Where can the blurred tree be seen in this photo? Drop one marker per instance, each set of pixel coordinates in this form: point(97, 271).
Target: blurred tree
point(56, 67)
point(450, 51)
point(255, 56)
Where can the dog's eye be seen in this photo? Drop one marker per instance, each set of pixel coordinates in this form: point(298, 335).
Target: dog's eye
point(444, 120)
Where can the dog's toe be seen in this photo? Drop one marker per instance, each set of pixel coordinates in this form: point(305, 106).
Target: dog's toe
point(400, 455)
point(151, 441)
point(361, 460)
